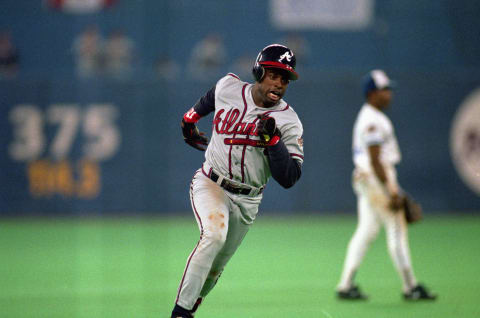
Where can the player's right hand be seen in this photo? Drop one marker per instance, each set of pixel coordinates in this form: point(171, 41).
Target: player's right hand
point(193, 137)
point(267, 130)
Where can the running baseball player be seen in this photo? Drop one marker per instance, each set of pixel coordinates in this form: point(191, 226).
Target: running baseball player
point(379, 197)
point(256, 135)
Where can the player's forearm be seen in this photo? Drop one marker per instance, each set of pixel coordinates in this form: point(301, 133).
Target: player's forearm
point(379, 171)
point(381, 174)
point(206, 104)
point(285, 170)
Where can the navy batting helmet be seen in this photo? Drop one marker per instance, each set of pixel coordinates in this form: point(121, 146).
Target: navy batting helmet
point(275, 56)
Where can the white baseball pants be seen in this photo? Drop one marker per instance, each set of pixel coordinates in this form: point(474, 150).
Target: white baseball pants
point(222, 221)
point(373, 211)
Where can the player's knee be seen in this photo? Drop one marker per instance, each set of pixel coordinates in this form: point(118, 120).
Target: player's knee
point(367, 236)
point(214, 239)
point(372, 235)
point(215, 233)
point(394, 247)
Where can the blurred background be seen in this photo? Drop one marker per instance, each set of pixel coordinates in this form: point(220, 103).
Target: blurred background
point(92, 93)
point(91, 98)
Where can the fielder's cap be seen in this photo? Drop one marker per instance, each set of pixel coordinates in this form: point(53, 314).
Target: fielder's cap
point(376, 80)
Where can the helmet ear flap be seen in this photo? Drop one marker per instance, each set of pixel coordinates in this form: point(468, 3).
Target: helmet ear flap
point(258, 72)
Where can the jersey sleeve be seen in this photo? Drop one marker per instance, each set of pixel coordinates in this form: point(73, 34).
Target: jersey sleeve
point(373, 134)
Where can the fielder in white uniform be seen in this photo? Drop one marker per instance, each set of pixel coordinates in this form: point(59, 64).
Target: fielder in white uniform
point(255, 135)
point(379, 197)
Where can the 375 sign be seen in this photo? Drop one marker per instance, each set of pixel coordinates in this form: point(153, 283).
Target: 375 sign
point(63, 146)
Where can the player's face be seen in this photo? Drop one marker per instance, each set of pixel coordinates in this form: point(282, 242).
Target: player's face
point(382, 98)
point(385, 96)
point(273, 86)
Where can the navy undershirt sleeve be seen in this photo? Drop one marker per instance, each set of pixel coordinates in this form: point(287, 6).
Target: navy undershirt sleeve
point(206, 104)
point(285, 170)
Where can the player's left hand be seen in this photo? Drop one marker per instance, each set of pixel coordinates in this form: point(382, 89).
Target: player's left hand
point(413, 210)
point(396, 202)
point(193, 137)
point(267, 130)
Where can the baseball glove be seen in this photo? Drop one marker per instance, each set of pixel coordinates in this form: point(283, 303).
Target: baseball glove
point(193, 137)
point(267, 130)
point(413, 210)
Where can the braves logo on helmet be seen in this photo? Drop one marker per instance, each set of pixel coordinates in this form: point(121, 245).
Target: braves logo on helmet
point(287, 56)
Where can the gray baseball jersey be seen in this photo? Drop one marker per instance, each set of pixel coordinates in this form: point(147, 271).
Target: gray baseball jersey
point(233, 151)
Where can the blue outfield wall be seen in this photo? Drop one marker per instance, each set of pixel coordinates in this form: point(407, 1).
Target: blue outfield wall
point(105, 147)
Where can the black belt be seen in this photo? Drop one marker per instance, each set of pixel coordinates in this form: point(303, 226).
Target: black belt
point(230, 187)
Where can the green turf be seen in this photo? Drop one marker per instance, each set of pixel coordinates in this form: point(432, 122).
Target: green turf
point(286, 267)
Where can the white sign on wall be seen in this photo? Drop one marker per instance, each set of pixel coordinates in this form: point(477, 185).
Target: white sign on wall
point(79, 6)
point(322, 14)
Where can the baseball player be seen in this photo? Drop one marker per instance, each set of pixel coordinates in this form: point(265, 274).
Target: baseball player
point(256, 135)
point(379, 197)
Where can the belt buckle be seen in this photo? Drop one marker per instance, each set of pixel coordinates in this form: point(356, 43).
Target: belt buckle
point(235, 188)
point(231, 187)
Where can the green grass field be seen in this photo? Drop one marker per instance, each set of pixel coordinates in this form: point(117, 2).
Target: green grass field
point(286, 267)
